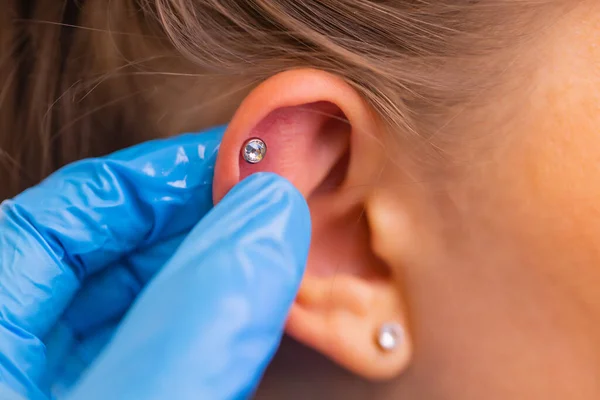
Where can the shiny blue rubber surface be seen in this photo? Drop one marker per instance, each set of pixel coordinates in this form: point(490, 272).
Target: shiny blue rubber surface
point(120, 280)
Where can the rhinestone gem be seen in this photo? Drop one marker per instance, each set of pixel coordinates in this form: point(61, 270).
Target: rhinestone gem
point(390, 335)
point(254, 150)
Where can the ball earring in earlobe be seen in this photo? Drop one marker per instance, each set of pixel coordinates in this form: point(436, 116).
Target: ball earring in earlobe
point(390, 336)
point(254, 150)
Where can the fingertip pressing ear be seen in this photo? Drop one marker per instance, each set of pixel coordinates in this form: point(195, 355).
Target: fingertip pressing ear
point(320, 135)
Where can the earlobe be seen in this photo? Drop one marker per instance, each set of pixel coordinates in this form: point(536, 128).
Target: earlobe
point(320, 135)
point(358, 323)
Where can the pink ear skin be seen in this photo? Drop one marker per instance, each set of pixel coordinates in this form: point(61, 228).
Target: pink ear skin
point(301, 142)
point(325, 139)
point(301, 115)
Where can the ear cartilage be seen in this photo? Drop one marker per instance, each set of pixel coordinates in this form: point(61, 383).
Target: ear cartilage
point(254, 150)
point(390, 336)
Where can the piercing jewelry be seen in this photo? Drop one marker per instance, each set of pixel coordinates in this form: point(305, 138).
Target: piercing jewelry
point(390, 336)
point(254, 150)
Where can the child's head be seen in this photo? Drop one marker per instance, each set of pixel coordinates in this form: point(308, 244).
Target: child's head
point(448, 149)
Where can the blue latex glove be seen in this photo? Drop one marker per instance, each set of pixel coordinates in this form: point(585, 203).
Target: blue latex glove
point(76, 250)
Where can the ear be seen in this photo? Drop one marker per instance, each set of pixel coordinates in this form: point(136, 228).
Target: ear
point(325, 139)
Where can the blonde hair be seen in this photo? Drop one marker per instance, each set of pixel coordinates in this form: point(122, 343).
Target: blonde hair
point(412, 60)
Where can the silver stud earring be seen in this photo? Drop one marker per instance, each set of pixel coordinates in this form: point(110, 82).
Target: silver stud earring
point(254, 150)
point(390, 336)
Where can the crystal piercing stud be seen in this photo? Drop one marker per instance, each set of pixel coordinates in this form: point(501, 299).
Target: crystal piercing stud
point(254, 150)
point(390, 336)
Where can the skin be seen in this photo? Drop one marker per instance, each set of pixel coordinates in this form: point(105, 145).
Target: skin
point(499, 267)
point(491, 266)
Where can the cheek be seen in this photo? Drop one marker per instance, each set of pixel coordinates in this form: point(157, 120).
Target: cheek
point(517, 269)
point(546, 182)
point(544, 198)
point(550, 193)
point(555, 165)
point(522, 255)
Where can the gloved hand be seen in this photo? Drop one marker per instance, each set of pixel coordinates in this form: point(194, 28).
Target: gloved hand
point(76, 250)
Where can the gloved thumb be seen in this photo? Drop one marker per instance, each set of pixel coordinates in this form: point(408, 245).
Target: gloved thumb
point(208, 325)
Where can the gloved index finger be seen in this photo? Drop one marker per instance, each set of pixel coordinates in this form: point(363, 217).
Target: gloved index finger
point(91, 213)
point(209, 323)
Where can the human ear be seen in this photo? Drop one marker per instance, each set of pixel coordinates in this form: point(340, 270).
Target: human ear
point(326, 140)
